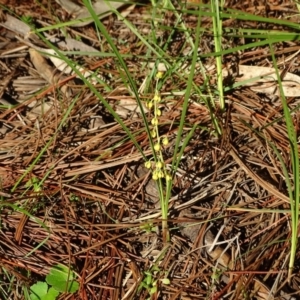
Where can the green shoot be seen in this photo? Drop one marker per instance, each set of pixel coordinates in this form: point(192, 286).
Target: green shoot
point(294, 193)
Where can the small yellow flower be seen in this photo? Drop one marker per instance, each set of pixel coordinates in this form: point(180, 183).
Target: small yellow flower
point(157, 147)
point(159, 165)
point(148, 164)
point(160, 174)
point(149, 105)
point(153, 133)
point(157, 98)
point(154, 121)
point(165, 141)
point(159, 75)
point(158, 112)
point(154, 176)
point(168, 176)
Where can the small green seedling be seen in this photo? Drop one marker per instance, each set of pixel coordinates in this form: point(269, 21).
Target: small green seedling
point(41, 291)
point(150, 280)
point(59, 280)
point(34, 183)
point(149, 283)
point(74, 198)
point(216, 275)
point(149, 227)
point(27, 19)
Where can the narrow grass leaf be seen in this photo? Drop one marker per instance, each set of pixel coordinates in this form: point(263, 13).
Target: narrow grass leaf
point(294, 196)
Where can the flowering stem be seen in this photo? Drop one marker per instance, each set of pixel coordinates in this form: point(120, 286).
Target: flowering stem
point(158, 168)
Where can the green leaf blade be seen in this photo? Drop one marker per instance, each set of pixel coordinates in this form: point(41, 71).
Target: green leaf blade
point(62, 279)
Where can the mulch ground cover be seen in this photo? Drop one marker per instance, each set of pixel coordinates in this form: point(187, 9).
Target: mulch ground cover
point(74, 191)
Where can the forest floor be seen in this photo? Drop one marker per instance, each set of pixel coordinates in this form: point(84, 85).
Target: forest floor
point(75, 191)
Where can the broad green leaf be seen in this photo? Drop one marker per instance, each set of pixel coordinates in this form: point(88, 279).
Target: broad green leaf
point(51, 295)
point(62, 279)
point(39, 290)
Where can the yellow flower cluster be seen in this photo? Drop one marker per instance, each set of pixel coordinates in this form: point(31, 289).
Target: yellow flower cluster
point(158, 169)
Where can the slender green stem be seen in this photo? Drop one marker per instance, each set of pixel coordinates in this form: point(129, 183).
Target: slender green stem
point(217, 30)
point(295, 192)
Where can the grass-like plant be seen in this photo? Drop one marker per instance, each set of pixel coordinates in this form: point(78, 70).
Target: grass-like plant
point(293, 184)
point(218, 31)
point(164, 190)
